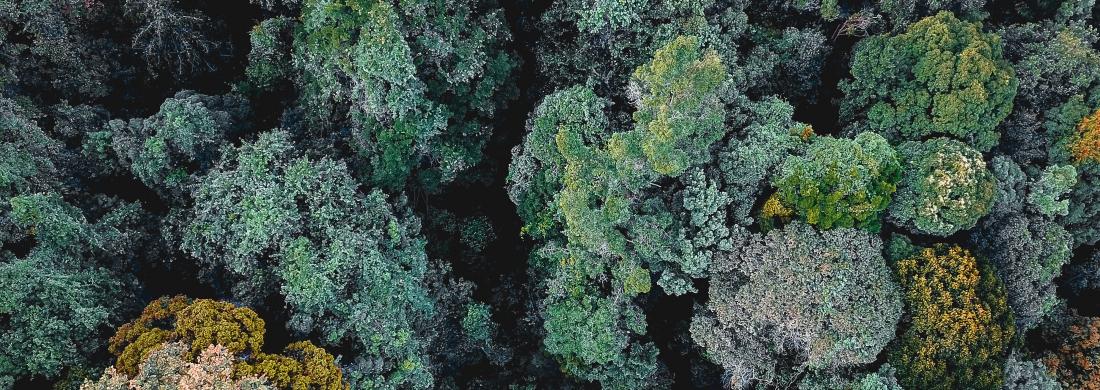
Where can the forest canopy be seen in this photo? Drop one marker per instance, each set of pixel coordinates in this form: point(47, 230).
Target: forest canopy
point(564, 194)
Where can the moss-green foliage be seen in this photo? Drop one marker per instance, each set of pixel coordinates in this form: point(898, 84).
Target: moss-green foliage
point(841, 182)
point(942, 76)
point(534, 176)
point(798, 299)
point(350, 265)
point(960, 327)
point(417, 81)
point(679, 112)
point(945, 187)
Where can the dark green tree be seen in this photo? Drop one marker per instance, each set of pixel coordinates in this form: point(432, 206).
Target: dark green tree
point(417, 82)
point(349, 265)
point(941, 77)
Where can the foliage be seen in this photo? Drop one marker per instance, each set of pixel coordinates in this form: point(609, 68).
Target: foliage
point(841, 183)
point(1021, 239)
point(1075, 354)
point(180, 341)
point(53, 315)
point(1028, 375)
point(941, 77)
point(269, 61)
point(27, 166)
point(57, 300)
point(349, 265)
point(167, 367)
point(961, 326)
point(679, 114)
point(184, 139)
point(534, 176)
point(748, 163)
point(408, 112)
point(1054, 63)
point(945, 187)
point(798, 299)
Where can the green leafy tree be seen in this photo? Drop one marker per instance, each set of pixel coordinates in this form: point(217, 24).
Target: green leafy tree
point(798, 299)
point(961, 326)
point(181, 141)
point(535, 173)
point(418, 82)
point(841, 182)
point(946, 187)
point(270, 62)
point(349, 265)
point(679, 111)
point(941, 77)
point(747, 164)
point(56, 301)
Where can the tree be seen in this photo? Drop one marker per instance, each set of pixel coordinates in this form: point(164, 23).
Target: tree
point(798, 299)
point(54, 315)
point(57, 300)
point(593, 334)
point(1054, 62)
point(679, 111)
point(184, 139)
point(350, 266)
point(904, 11)
point(1028, 375)
point(270, 61)
point(1023, 241)
point(179, 341)
point(961, 326)
point(534, 175)
point(841, 182)
point(170, 38)
point(748, 163)
point(27, 162)
point(945, 187)
point(1075, 354)
point(941, 77)
point(166, 367)
point(430, 112)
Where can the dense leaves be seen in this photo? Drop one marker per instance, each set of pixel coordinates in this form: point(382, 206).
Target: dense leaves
point(841, 182)
point(797, 299)
point(563, 194)
point(942, 76)
point(178, 342)
point(961, 326)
